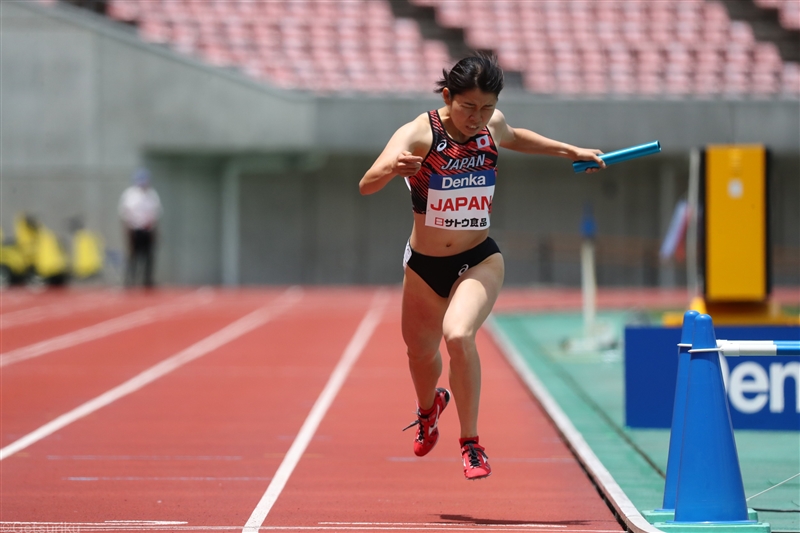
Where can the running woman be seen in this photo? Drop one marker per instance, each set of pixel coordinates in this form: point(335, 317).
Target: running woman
point(453, 269)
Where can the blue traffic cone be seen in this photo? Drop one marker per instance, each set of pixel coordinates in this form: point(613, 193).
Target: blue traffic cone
point(679, 411)
point(709, 487)
point(667, 511)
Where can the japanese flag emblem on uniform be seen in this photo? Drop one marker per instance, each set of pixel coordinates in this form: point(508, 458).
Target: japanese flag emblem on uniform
point(483, 141)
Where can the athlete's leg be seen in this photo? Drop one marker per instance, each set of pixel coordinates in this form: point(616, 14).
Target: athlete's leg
point(472, 300)
point(422, 316)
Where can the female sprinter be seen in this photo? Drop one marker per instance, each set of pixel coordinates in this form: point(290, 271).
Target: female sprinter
point(453, 269)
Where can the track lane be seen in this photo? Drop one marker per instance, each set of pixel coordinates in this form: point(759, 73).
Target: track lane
point(37, 339)
point(66, 304)
point(19, 298)
point(38, 390)
point(360, 472)
point(198, 447)
point(318, 412)
point(201, 444)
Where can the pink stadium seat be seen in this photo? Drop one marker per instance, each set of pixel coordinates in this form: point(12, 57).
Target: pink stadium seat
point(125, 10)
point(790, 15)
point(766, 59)
point(216, 55)
point(623, 86)
point(185, 37)
point(650, 86)
point(790, 79)
point(708, 59)
point(156, 30)
point(541, 84)
point(766, 84)
point(450, 17)
point(650, 61)
point(741, 33)
point(706, 85)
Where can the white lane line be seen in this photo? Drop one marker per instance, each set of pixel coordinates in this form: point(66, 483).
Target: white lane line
point(442, 527)
point(317, 413)
point(74, 304)
point(159, 525)
point(17, 297)
point(106, 328)
point(498, 460)
point(144, 457)
point(163, 478)
point(440, 524)
point(227, 334)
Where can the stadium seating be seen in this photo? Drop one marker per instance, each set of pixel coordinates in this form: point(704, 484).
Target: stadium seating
point(627, 47)
point(619, 48)
point(332, 46)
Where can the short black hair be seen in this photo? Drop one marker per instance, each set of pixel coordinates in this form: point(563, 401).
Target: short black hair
point(478, 71)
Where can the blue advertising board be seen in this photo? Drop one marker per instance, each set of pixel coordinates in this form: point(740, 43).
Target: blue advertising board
point(762, 391)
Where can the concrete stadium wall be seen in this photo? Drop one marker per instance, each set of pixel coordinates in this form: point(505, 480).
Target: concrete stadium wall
point(302, 220)
point(606, 124)
point(260, 185)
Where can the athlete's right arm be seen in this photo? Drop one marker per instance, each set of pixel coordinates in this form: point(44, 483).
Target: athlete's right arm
point(402, 156)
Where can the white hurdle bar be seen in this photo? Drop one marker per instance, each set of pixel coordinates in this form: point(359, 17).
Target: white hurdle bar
point(755, 348)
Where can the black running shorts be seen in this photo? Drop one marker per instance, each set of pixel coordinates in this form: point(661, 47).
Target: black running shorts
point(441, 273)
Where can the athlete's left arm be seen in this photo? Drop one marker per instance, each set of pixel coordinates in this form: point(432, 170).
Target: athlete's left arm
point(530, 142)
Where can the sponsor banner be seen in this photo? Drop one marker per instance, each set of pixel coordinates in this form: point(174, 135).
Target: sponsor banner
point(461, 201)
point(762, 390)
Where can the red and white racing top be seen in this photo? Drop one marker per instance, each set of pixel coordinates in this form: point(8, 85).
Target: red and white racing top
point(455, 186)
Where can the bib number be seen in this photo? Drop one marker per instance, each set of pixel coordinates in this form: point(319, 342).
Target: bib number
point(461, 201)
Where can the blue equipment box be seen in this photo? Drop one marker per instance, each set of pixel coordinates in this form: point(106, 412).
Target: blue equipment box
point(762, 391)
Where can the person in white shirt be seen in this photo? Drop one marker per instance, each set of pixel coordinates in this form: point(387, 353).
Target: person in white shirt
point(140, 210)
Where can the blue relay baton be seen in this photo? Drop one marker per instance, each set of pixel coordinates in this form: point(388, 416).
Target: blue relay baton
point(619, 156)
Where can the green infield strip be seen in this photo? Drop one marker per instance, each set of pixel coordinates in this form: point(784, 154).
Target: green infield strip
point(587, 381)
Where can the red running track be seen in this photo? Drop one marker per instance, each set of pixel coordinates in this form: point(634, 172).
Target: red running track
point(197, 446)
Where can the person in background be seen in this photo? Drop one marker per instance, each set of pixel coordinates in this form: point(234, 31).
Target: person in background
point(140, 210)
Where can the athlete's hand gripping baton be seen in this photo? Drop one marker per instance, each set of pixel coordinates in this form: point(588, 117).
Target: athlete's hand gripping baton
point(619, 156)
